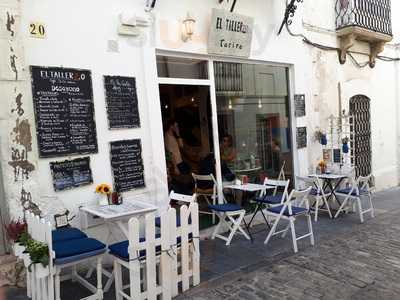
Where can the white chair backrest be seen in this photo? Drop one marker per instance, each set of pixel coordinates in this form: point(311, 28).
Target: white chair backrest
point(362, 183)
point(314, 182)
point(182, 198)
point(278, 184)
point(208, 178)
point(301, 197)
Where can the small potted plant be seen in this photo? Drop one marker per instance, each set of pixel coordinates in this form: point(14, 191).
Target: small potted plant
point(321, 137)
point(23, 241)
point(39, 258)
point(14, 231)
point(345, 145)
point(104, 190)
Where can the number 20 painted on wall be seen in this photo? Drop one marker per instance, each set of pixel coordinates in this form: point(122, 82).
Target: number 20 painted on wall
point(37, 30)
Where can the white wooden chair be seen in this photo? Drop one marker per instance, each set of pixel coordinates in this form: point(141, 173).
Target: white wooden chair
point(318, 193)
point(67, 249)
point(206, 193)
point(159, 263)
point(186, 199)
point(353, 194)
point(287, 211)
point(231, 217)
point(277, 198)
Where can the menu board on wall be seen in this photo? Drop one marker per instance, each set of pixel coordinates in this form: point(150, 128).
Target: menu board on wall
point(301, 137)
point(64, 111)
point(127, 165)
point(300, 105)
point(122, 102)
point(70, 174)
point(337, 156)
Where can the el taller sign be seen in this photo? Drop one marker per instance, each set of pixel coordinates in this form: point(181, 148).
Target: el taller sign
point(230, 34)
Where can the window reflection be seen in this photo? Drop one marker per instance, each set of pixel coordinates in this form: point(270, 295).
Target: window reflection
point(253, 119)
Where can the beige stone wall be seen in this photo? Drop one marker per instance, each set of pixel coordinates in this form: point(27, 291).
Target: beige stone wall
point(18, 158)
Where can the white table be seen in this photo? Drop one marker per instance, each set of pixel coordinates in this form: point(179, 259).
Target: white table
point(116, 216)
point(250, 187)
point(331, 183)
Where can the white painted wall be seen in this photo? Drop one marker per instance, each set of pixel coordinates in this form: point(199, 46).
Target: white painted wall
point(78, 33)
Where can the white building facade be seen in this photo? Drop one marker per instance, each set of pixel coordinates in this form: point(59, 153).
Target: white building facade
point(86, 35)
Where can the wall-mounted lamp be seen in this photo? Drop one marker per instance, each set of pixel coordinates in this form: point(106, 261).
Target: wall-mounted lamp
point(259, 103)
point(188, 28)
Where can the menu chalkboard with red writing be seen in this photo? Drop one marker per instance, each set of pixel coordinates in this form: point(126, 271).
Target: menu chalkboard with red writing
point(122, 102)
point(64, 111)
point(127, 165)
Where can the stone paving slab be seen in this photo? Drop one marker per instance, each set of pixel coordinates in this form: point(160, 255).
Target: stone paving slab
point(350, 261)
point(363, 263)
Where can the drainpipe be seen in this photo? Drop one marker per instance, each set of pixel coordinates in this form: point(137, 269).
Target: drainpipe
point(397, 99)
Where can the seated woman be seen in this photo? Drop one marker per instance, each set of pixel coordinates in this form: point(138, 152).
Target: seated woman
point(228, 152)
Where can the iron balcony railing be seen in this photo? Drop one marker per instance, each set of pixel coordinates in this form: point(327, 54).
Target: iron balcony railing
point(374, 15)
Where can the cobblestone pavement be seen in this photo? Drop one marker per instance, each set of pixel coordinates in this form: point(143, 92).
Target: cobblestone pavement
point(363, 263)
point(349, 261)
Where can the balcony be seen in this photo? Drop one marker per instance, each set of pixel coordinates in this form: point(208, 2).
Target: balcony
point(363, 20)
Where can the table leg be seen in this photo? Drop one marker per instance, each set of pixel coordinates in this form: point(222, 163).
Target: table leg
point(333, 194)
point(248, 229)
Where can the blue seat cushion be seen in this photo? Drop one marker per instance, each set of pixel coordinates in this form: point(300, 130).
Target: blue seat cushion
point(315, 192)
point(178, 221)
point(75, 247)
point(120, 249)
point(295, 210)
point(68, 233)
point(225, 207)
point(269, 199)
point(353, 193)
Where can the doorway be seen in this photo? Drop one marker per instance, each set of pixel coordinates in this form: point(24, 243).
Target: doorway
point(237, 112)
point(361, 121)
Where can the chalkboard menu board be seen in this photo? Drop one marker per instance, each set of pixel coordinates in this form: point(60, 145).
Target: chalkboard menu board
point(300, 105)
point(122, 103)
point(69, 174)
point(127, 165)
point(301, 137)
point(63, 102)
point(337, 156)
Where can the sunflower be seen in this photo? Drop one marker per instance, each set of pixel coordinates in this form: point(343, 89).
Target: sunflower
point(99, 188)
point(106, 189)
point(103, 188)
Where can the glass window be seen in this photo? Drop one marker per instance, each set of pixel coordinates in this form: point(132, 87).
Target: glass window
point(176, 67)
point(253, 120)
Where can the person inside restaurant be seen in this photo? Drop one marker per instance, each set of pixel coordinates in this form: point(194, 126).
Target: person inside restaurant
point(179, 170)
point(228, 152)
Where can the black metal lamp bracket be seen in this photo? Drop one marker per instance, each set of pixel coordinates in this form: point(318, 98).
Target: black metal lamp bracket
point(289, 13)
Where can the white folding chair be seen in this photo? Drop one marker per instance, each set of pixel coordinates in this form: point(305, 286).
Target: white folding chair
point(353, 194)
point(231, 216)
point(277, 198)
point(288, 211)
point(67, 249)
point(281, 175)
point(186, 199)
point(206, 193)
point(318, 193)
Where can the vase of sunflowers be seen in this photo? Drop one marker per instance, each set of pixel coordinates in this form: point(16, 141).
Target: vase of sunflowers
point(104, 191)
